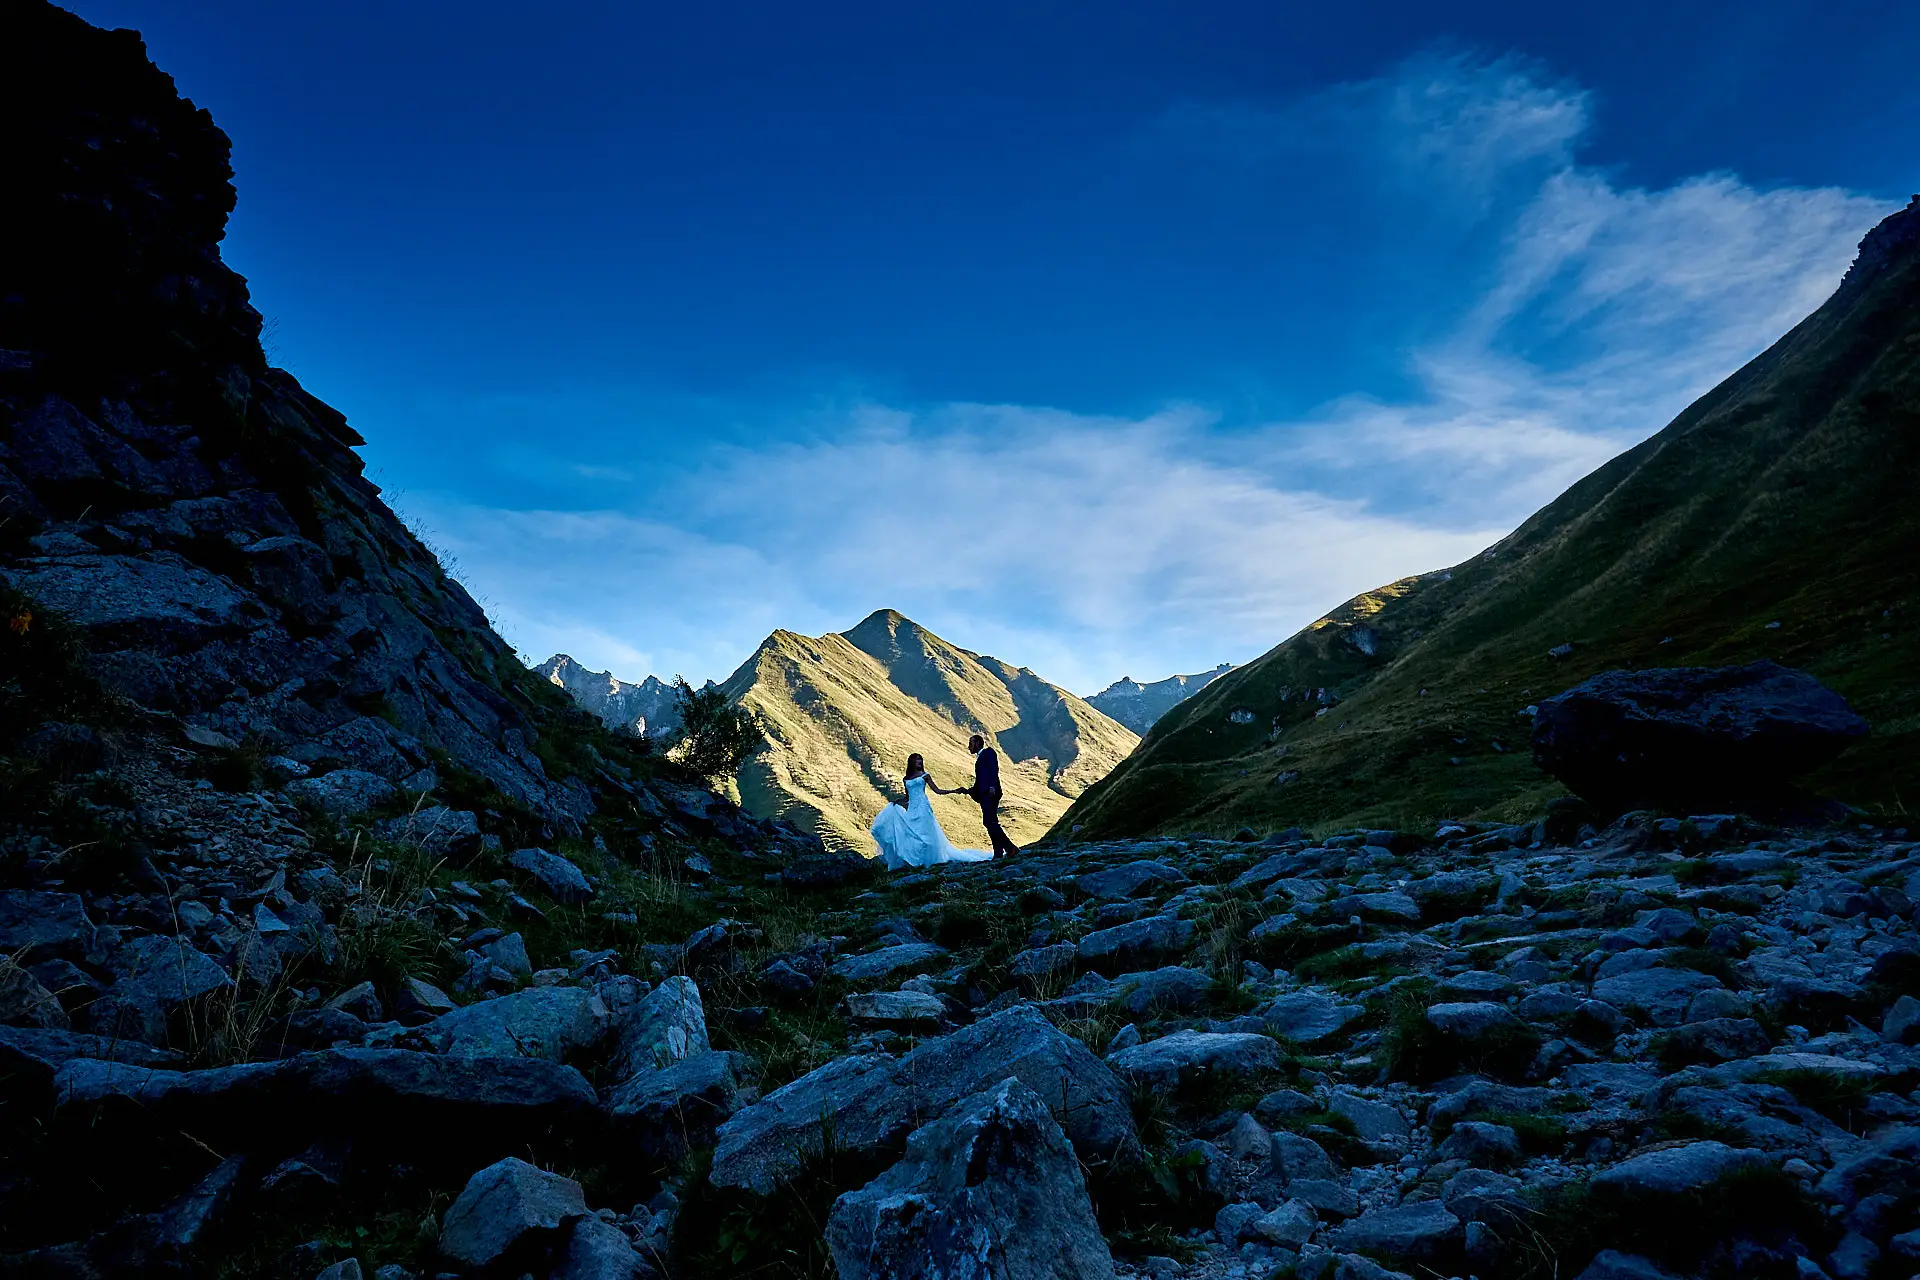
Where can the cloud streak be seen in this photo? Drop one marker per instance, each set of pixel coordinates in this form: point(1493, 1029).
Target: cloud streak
point(1088, 547)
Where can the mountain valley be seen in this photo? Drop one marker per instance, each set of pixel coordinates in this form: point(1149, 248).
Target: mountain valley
point(335, 943)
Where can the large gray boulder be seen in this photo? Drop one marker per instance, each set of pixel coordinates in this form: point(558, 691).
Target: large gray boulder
point(1417, 1232)
point(30, 1057)
point(1186, 1056)
point(37, 925)
point(1117, 883)
point(874, 1101)
point(677, 1108)
point(343, 793)
point(1306, 1017)
point(989, 1189)
point(562, 881)
point(1171, 988)
point(657, 1029)
point(887, 961)
point(1129, 945)
point(502, 1206)
point(388, 1095)
point(1678, 1170)
point(1692, 739)
point(540, 1022)
point(1034, 967)
point(153, 976)
point(436, 830)
point(1660, 996)
point(599, 1251)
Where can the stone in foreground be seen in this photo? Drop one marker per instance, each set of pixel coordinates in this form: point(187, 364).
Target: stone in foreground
point(876, 1101)
point(503, 1204)
point(990, 1189)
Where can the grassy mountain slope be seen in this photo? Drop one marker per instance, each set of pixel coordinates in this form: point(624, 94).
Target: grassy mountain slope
point(842, 712)
point(1785, 496)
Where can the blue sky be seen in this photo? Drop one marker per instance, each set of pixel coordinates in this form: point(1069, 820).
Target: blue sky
point(1108, 339)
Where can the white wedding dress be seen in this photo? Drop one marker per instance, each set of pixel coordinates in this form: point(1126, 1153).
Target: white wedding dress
point(911, 837)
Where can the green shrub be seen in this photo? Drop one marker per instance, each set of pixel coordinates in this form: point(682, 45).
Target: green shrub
point(715, 736)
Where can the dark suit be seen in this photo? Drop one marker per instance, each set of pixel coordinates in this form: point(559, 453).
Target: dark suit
point(986, 792)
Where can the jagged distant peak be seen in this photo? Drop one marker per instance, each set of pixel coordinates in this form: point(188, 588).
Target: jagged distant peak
point(1137, 705)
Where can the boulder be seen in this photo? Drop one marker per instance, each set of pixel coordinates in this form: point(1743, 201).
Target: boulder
point(875, 966)
point(1296, 1158)
point(657, 1029)
point(420, 1001)
point(504, 1205)
point(1472, 1020)
point(1715, 1040)
point(1186, 1056)
point(1372, 1121)
point(1418, 1232)
point(562, 881)
point(31, 1056)
point(416, 1101)
point(1034, 966)
point(1169, 988)
point(1660, 996)
point(359, 1001)
point(25, 1003)
point(1306, 1017)
point(1329, 1265)
point(599, 1250)
point(153, 976)
point(540, 1022)
point(343, 793)
point(1611, 1264)
point(1488, 1145)
point(1902, 1023)
point(1116, 883)
point(37, 925)
point(678, 1107)
point(1290, 1226)
point(1127, 945)
point(876, 1101)
point(1481, 1195)
point(1379, 908)
point(1678, 1170)
point(895, 1008)
point(991, 1189)
point(436, 830)
point(1692, 739)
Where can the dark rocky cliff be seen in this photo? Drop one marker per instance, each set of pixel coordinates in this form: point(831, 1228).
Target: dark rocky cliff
point(196, 513)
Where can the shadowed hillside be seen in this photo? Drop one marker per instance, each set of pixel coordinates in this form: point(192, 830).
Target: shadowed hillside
point(842, 712)
point(1773, 519)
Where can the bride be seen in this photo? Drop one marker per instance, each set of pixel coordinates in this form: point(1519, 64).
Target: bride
point(909, 835)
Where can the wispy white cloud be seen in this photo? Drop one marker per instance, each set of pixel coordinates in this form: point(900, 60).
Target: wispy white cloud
point(1088, 547)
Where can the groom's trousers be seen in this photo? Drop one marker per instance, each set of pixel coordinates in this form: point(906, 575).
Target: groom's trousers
point(989, 802)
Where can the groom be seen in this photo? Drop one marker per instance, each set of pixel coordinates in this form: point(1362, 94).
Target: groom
point(986, 792)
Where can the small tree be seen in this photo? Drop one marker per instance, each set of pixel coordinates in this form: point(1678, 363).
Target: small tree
point(715, 736)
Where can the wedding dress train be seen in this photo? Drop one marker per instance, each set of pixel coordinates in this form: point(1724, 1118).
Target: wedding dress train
point(911, 837)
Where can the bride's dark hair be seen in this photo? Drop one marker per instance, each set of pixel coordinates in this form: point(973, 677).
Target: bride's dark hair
point(915, 765)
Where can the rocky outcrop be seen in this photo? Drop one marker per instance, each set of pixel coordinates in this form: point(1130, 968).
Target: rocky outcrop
point(199, 516)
